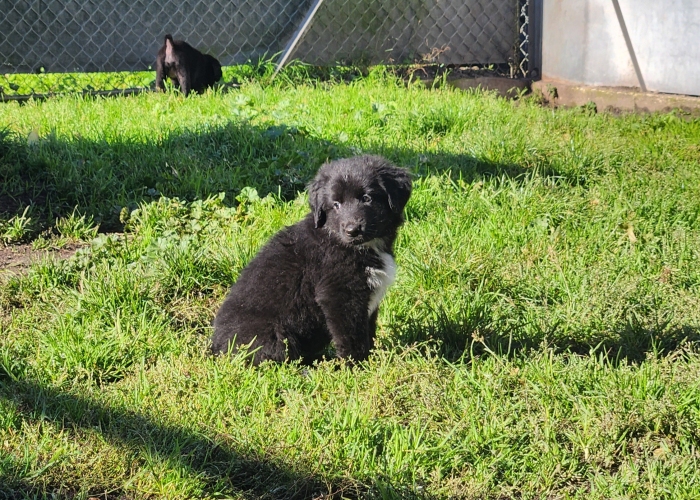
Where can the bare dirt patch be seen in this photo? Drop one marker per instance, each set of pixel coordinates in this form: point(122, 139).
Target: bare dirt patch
point(16, 259)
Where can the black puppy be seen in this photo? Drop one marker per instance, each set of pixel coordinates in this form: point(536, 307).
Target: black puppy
point(187, 67)
point(322, 279)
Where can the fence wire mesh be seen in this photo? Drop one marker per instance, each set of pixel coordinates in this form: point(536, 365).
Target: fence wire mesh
point(49, 46)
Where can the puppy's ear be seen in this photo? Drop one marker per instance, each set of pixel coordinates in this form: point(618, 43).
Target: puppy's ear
point(316, 200)
point(397, 184)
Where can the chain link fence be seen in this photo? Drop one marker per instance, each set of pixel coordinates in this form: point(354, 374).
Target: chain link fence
point(49, 46)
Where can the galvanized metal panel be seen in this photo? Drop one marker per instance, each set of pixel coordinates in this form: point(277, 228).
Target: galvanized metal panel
point(583, 42)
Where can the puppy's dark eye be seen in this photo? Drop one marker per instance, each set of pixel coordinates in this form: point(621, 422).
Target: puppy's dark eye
point(336, 205)
point(366, 198)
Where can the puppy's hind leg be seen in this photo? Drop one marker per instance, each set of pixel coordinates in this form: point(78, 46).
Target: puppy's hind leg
point(278, 349)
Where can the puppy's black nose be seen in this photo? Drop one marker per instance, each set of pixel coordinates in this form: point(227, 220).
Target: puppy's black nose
point(352, 230)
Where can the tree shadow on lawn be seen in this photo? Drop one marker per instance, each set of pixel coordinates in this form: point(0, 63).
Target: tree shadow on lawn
point(475, 333)
point(55, 176)
point(222, 469)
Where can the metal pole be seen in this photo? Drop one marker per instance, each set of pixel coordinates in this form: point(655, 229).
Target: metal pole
point(535, 39)
point(297, 37)
point(628, 41)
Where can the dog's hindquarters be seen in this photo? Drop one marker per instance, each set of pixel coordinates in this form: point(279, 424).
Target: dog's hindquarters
point(259, 336)
point(272, 306)
point(188, 68)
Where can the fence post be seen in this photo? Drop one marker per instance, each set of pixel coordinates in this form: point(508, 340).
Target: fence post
point(536, 10)
point(297, 37)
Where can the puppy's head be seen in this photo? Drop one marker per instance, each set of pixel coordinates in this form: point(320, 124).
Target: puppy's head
point(359, 199)
point(215, 69)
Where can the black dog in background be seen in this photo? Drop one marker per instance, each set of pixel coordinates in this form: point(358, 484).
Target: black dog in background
point(322, 279)
point(187, 67)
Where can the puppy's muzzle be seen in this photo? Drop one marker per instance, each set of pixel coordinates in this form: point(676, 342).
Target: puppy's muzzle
point(352, 230)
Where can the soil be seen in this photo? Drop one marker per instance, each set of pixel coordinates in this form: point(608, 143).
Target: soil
point(431, 71)
point(16, 259)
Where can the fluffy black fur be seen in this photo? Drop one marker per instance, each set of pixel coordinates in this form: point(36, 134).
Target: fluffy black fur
point(187, 67)
point(321, 280)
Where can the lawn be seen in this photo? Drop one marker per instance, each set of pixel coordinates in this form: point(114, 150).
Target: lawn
point(540, 340)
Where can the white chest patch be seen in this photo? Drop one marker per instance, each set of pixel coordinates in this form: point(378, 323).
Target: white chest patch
point(380, 279)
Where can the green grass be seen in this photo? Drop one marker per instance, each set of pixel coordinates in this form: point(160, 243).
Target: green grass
point(540, 341)
point(23, 85)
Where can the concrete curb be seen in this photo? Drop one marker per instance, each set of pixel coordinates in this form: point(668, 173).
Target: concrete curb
point(559, 93)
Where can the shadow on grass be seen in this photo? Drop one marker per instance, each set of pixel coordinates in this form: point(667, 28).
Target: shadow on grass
point(54, 176)
point(475, 333)
point(222, 469)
